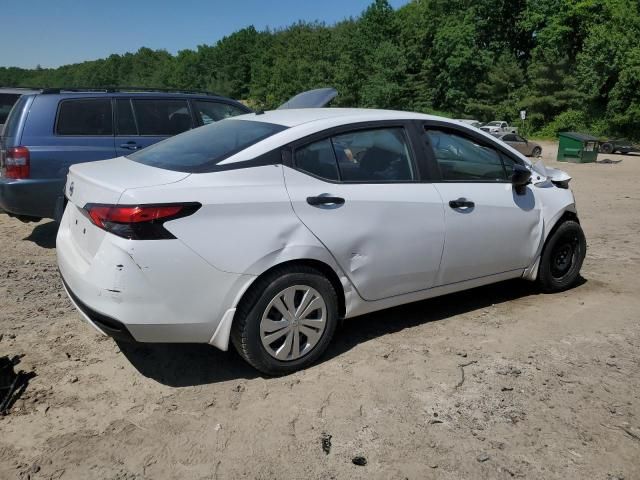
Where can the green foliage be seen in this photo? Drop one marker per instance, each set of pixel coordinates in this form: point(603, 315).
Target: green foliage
point(568, 121)
point(572, 64)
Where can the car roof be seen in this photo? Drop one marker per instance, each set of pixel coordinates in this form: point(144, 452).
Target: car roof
point(18, 90)
point(133, 93)
point(309, 121)
point(333, 116)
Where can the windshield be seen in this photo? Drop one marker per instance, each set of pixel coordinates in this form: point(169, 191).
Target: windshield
point(493, 124)
point(201, 149)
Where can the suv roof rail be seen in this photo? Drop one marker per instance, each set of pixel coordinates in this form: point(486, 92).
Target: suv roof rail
point(126, 89)
point(9, 87)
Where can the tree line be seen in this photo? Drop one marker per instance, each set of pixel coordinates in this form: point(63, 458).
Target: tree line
point(571, 64)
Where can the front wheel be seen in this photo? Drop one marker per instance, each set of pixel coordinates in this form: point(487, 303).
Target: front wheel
point(537, 151)
point(286, 321)
point(562, 257)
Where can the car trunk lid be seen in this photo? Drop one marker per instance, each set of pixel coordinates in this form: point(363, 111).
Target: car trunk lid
point(105, 181)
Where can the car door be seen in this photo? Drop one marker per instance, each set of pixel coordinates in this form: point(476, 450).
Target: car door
point(141, 122)
point(490, 228)
point(360, 193)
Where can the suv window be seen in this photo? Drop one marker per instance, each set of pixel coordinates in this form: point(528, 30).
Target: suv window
point(11, 127)
point(209, 112)
point(126, 123)
point(6, 102)
point(162, 117)
point(463, 159)
point(85, 117)
point(380, 155)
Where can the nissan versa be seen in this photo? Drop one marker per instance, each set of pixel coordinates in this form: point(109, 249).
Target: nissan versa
point(267, 229)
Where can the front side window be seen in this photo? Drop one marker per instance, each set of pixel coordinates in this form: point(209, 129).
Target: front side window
point(463, 159)
point(85, 117)
point(209, 112)
point(162, 117)
point(375, 156)
point(201, 149)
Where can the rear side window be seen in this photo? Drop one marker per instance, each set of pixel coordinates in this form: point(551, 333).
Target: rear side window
point(380, 155)
point(85, 117)
point(375, 156)
point(201, 149)
point(11, 127)
point(209, 112)
point(162, 117)
point(318, 159)
point(6, 103)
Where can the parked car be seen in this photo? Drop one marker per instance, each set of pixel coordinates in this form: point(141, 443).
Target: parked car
point(524, 146)
point(473, 123)
point(619, 145)
point(498, 126)
point(8, 97)
point(64, 127)
point(266, 229)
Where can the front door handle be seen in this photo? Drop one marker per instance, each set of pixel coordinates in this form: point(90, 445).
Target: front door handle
point(130, 146)
point(461, 203)
point(325, 200)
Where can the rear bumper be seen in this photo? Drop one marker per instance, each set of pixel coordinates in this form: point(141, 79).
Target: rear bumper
point(147, 291)
point(105, 325)
point(35, 197)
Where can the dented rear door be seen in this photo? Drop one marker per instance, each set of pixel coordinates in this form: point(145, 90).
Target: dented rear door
point(387, 236)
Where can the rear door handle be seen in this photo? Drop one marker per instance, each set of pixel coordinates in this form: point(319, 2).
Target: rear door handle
point(130, 146)
point(461, 203)
point(325, 200)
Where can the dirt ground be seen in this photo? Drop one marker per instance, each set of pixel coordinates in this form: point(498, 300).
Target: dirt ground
point(497, 382)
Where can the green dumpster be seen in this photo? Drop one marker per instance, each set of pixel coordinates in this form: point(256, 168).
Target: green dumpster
point(577, 147)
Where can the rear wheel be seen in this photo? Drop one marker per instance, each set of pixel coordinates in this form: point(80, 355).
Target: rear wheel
point(606, 148)
point(537, 151)
point(286, 321)
point(562, 257)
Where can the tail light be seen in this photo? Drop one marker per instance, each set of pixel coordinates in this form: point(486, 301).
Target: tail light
point(139, 222)
point(17, 162)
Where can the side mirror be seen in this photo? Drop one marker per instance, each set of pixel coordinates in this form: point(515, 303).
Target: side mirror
point(520, 178)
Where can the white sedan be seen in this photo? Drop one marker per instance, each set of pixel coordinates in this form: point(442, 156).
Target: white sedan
point(269, 228)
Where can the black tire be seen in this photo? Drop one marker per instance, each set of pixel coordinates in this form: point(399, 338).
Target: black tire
point(606, 148)
point(562, 257)
point(537, 151)
point(245, 332)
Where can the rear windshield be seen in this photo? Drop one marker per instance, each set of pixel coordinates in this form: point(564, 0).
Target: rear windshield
point(11, 127)
point(201, 149)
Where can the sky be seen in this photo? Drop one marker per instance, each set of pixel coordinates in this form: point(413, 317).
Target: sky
point(51, 33)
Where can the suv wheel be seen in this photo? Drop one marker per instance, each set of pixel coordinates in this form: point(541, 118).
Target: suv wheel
point(287, 321)
point(562, 257)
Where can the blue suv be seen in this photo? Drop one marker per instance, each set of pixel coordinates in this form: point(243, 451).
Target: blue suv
point(51, 129)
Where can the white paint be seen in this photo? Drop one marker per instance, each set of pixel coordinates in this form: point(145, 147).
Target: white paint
point(389, 244)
